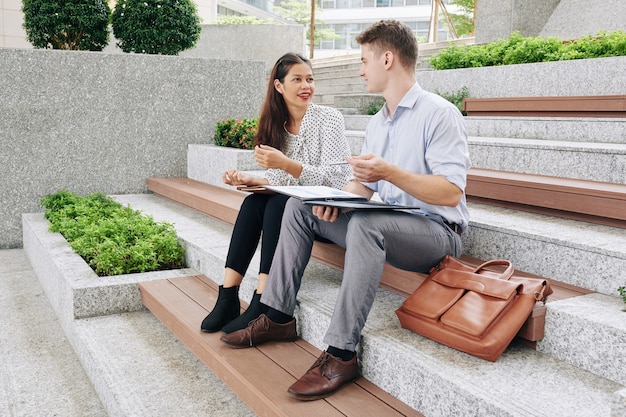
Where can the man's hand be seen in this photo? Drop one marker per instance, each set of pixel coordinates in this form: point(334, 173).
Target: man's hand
point(369, 168)
point(326, 213)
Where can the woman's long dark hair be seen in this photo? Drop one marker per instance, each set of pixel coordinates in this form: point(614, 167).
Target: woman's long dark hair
point(274, 112)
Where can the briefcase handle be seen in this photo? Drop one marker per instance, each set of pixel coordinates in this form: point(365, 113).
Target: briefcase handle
point(508, 272)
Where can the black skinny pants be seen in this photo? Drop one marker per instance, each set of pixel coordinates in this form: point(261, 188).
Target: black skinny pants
point(258, 213)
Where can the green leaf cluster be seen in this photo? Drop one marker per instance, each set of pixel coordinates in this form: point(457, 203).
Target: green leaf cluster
point(622, 292)
point(456, 98)
point(517, 49)
point(69, 24)
point(111, 238)
point(236, 133)
point(163, 27)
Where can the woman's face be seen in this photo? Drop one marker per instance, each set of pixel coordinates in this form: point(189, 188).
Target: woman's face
point(298, 86)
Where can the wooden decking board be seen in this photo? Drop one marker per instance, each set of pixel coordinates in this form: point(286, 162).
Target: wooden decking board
point(259, 376)
point(548, 106)
point(602, 202)
point(201, 196)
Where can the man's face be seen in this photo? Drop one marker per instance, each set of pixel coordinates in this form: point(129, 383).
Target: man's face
point(372, 69)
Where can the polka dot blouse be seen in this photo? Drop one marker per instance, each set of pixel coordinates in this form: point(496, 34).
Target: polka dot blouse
point(321, 140)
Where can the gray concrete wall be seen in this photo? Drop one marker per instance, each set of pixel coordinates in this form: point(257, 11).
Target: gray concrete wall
point(580, 77)
point(573, 19)
point(91, 121)
point(264, 43)
point(567, 19)
point(497, 19)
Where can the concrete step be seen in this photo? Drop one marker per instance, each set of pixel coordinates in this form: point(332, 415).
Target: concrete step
point(481, 388)
point(40, 375)
point(570, 129)
point(135, 365)
point(603, 162)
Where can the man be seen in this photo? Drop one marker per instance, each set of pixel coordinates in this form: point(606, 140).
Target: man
point(415, 154)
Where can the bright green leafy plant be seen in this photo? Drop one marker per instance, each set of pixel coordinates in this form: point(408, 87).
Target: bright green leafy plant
point(111, 238)
point(517, 49)
point(236, 133)
point(69, 24)
point(163, 27)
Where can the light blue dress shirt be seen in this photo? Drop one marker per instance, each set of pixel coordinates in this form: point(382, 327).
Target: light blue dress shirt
point(426, 135)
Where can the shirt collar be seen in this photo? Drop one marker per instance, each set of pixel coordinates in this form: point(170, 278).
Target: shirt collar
point(408, 101)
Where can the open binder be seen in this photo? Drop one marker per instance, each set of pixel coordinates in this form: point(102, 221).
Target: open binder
point(320, 195)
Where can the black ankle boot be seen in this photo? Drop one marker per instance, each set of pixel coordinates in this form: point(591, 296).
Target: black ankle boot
point(226, 309)
point(254, 310)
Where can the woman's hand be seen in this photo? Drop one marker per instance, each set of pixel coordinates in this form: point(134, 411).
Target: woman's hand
point(234, 177)
point(268, 157)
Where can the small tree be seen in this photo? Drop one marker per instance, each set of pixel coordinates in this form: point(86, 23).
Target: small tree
point(156, 26)
point(299, 11)
point(463, 22)
point(69, 24)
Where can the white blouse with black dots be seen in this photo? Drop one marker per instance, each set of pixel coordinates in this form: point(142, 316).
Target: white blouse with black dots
point(321, 140)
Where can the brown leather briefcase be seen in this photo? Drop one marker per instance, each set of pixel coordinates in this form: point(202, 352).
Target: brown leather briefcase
point(475, 310)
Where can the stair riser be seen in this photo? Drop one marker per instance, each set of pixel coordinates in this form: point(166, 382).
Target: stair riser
point(580, 162)
point(580, 341)
point(566, 261)
point(561, 129)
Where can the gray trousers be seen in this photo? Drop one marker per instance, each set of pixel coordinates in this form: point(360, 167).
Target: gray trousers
point(371, 238)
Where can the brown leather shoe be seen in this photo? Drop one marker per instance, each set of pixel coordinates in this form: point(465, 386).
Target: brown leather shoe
point(261, 330)
point(327, 375)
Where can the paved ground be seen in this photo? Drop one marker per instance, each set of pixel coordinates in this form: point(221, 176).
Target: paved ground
point(40, 375)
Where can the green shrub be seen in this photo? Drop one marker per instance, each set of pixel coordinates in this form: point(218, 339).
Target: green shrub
point(517, 49)
point(163, 27)
point(456, 98)
point(70, 24)
point(111, 238)
point(236, 133)
point(374, 106)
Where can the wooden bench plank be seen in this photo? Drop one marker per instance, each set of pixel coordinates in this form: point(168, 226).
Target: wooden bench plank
point(548, 106)
point(200, 196)
point(182, 303)
point(591, 201)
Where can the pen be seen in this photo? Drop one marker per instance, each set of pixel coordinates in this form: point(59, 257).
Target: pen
point(338, 163)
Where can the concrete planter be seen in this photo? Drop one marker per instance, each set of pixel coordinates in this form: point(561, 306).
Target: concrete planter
point(581, 77)
point(207, 162)
point(72, 287)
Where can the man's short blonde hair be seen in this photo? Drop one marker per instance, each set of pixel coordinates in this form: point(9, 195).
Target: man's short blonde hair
point(394, 36)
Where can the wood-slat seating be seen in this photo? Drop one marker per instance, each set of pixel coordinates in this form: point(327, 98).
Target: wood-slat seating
point(548, 106)
point(261, 375)
point(224, 204)
point(590, 201)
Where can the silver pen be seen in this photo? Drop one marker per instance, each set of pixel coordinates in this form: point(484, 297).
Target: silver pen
point(337, 163)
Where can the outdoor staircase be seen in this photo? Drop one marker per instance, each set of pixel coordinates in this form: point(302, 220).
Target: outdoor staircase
point(577, 369)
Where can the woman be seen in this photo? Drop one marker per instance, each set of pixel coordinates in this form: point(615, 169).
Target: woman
point(295, 142)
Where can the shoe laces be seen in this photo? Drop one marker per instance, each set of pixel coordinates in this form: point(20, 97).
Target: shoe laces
point(262, 320)
point(322, 362)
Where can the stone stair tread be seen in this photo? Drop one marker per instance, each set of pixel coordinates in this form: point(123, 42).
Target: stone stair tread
point(141, 369)
point(482, 386)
